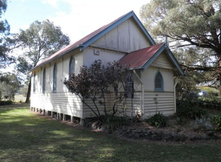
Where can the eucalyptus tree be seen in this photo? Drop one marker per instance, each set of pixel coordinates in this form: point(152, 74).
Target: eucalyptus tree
point(193, 28)
point(38, 42)
point(5, 41)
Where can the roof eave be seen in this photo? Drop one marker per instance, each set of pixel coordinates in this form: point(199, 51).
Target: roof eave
point(56, 57)
point(151, 60)
point(136, 68)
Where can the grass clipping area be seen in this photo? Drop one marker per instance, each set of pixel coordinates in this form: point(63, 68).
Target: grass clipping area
point(25, 136)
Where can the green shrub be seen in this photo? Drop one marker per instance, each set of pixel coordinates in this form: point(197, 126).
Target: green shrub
point(190, 111)
point(210, 102)
point(211, 91)
point(8, 102)
point(157, 120)
point(114, 122)
point(217, 121)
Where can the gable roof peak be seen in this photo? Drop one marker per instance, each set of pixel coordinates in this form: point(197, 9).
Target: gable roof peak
point(95, 35)
point(143, 58)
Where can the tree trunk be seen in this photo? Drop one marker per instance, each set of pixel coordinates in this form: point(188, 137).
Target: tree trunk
point(219, 83)
point(28, 93)
point(219, 75)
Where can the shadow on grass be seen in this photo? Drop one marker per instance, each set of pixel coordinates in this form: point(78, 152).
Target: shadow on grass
point(27, 137)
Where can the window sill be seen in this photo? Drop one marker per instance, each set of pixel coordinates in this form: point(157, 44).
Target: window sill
point(158, 90)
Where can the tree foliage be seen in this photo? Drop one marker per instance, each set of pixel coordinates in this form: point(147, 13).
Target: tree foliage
point(5, 41)
point(9, 85)
point(95, 83)
point(194, 29)
point(39, 41)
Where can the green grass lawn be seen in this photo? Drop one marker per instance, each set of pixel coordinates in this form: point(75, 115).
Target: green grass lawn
point(25, 136)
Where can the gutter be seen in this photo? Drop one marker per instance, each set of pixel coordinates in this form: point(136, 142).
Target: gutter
point(142, 94)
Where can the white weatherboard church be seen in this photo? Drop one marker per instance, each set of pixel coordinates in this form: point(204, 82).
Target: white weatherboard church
point(125, 40)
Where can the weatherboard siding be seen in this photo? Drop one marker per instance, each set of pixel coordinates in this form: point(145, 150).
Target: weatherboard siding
point(65, 103)
point(164, 104)
point(109, 103)
point(137, 105)
point(126, 37)
point(61, 101)
point(162, 61)
point(123, 109)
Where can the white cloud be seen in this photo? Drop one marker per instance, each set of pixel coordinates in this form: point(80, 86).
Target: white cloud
point(53, 3)
point(87, 15)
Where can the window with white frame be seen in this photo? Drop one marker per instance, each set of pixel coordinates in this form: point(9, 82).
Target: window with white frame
point(158, 82)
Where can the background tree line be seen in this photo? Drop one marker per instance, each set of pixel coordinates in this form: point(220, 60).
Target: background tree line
point(36, 43)
point(193, 28)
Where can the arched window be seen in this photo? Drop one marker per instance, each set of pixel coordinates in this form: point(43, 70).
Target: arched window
point(34, 86)
point(71, 66)
point(43, 81)
point(54, 78)
point(158, 82)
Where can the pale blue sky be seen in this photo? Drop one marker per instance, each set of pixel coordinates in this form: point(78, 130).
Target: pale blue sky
point(21, 13)
point(76, 18)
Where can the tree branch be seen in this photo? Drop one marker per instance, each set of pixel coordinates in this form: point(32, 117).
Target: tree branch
point(200, 68)
point(95, 105)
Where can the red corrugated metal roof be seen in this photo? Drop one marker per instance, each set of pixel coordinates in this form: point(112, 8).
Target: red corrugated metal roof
point(138, 58)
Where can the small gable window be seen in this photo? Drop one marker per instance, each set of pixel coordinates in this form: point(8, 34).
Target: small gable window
point(34, 86)
point(43, 81)
point(71, 66)
point(54, 78)
point(158, 82)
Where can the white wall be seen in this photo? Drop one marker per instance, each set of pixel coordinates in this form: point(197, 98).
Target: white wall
point(105, 55)
point(148, 77)
point(60, 101)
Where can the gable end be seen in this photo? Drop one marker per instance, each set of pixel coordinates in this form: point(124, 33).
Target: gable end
point(114, 25)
